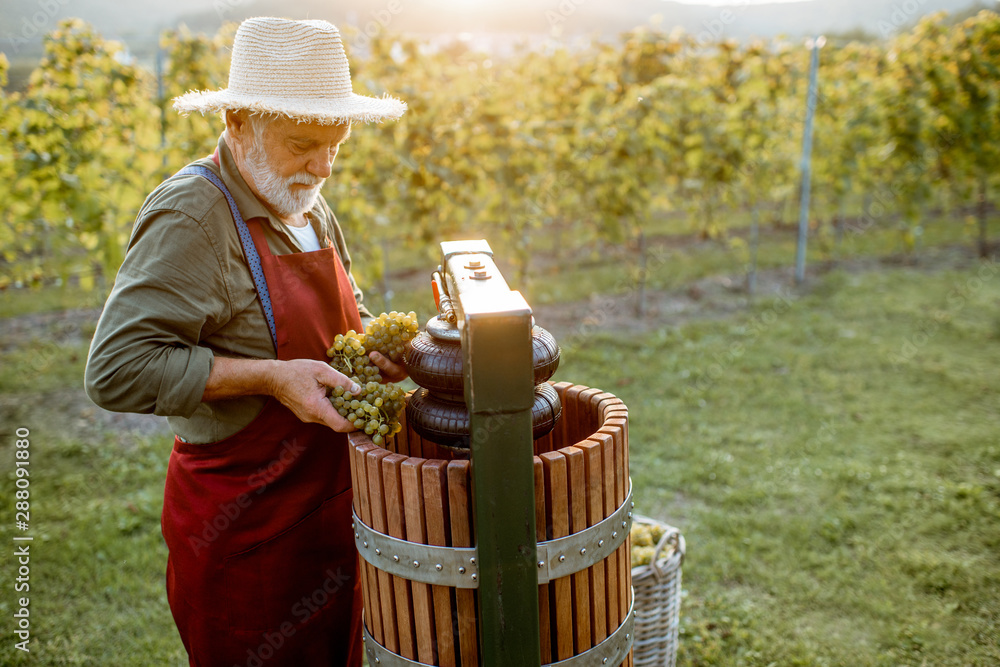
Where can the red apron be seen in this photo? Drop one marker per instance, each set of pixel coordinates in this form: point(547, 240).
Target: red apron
point(262, 567)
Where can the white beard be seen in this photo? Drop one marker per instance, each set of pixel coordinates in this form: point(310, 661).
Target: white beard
point(275, 189)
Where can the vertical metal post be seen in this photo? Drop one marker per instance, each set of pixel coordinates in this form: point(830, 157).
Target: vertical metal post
point(495, 325)
point(807, 139)
point(162, 103)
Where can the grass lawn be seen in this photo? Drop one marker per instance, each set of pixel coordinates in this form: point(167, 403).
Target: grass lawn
point(833, 462)
point(837, 476)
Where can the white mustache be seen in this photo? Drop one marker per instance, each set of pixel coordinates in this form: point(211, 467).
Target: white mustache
point(304, 179)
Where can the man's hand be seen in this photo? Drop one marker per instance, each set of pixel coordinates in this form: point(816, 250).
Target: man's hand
point(390, 371)
point(300, 384)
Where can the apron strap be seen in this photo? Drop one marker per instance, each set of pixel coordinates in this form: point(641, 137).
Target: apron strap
point(253, 259)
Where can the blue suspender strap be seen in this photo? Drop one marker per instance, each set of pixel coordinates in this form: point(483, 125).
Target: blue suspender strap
point(253, 259)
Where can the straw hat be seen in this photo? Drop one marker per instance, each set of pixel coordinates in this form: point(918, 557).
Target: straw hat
point(293, 68)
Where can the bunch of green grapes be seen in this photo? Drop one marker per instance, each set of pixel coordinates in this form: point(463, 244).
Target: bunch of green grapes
point(390, 332)
point(375, 410)
point(642, 556)
point(349, 355)
point(377, 407)
point(644, 538)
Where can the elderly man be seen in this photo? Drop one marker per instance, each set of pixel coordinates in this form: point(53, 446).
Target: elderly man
point(236, 279)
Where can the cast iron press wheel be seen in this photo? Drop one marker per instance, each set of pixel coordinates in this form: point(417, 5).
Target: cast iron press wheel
point(446, 422)
point(436, 364)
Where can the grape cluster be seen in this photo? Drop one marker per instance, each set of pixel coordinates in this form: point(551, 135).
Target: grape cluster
point(349, 355)
point(645, 537)
point(390, 332)
point(376, 408)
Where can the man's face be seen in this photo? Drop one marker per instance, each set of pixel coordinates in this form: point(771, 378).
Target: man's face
point(288, 161)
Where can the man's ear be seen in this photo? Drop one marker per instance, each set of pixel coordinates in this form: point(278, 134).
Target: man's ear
point(237, 125)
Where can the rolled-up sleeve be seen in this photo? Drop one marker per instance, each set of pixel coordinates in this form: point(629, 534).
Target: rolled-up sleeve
point(145, 355)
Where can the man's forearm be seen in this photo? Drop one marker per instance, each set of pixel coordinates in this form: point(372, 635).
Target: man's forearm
point(301, 385)
point(232, 378)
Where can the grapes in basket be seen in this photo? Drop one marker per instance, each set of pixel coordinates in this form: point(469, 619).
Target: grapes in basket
point(644, 537)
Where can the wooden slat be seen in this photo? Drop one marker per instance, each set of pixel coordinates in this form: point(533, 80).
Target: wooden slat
point(557, 506)
point(608, 468)
point(544, 603)
point(615, 424)
point(573, 412)
point(387, 601)
point(587, 418)
point(544, 444)
point(435, 479)
point(621, 490)
point(559, 433)
point(604, 403)
point(595, 514)
point(460, 504)
point(423, 606)
point(392, 485)
point(578, 522)
point(402, 445)
point(415, 444)
point(373, 612)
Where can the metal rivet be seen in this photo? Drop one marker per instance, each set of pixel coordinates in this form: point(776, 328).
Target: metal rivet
point(461, 570)
point(439, 567)
point(541, 564)
point(416, 563)
point(352, 525)
point(378, 661)
point(562, 559)
point(356, 535)
point(396, 558)
point(583, 551)
point(366, 545)
point(624, 524)
point(474, 264)
point(632, 504)
point(600, 543)
point(614, 535)
point(474, 576)
point(472, 560)
point(378, 552)
point(628, 636)
point(604, 662)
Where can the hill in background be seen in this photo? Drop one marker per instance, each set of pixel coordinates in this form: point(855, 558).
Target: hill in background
point(495, 24)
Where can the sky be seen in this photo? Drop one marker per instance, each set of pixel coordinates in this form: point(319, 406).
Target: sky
point(735, 2)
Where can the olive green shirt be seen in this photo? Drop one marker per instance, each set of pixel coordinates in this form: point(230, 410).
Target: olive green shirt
point(183, 295)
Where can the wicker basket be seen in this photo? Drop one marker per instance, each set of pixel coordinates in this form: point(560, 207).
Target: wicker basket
point(657, 589)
